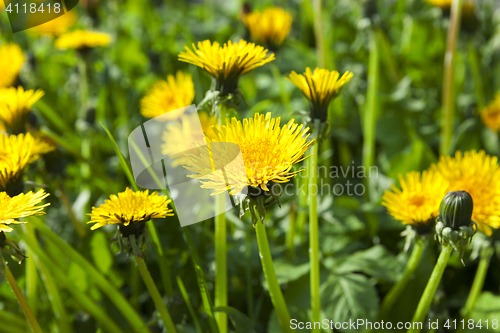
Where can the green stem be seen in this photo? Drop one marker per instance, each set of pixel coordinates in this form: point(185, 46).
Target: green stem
point(155, 294)
point(163, 264)
point(396, 290)
point(430, 289)
point(80, 229)
point(220, 250)
point(477, 285)
point(220, 264)
point(190, 307)
point(100, 281)
point(314, 235)
point(30, 317)
point(448, 78)
point(476, 75)
point(318, 34)
point(272, 281)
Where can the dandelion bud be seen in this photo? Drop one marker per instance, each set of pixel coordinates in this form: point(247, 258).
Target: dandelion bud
point(456, 209)
point(455, 227)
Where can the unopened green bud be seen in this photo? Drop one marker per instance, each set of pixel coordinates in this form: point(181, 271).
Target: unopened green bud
point(456, 209)
point(454, 225)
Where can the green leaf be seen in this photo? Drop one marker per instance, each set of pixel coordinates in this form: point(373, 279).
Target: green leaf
point(377, 261)
point(487, 308)
point(241, 322)
point(349, 297)
point(78, 276)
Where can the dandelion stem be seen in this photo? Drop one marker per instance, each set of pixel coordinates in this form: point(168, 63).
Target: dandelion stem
point(318, 34)
point(155, 294)
point(30, 317)
point(430, 289)
point(477, 284)
point(396, 290)
point(448, 78)
point(272, 281)
point(314, 235)
point(220, 250)
point(220, 264)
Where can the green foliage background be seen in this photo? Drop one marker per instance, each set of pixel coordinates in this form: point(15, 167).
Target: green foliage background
point(359, 264)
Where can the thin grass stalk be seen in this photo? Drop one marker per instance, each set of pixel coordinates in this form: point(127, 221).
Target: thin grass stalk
point(155, 295)
point(10, 319)
point(314, 235)
point(189, 305)
point(81, 298)
point(31, 281)
point(248, 275)
point(448, 104)
point(100, 281)
point(476, 75)
point(272, 281)
point(478, 283)
point(80, 229)
point(28, 313)
point(430, 289)
point(85, 147)
point(202, 283)
point(318, 34)
point(221, 249)
point(396, 290)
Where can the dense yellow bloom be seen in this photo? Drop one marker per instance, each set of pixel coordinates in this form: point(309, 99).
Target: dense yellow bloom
point(10, 65)
point(130, 207)
point(467, 6)
point(164, 96)
point(417, 202)
point(320, 87)
point(15, 104)
point(226, 63)
point(56, 26)
point(16, 151)
point(19, 206)
point(268, 152)
point(490, 115)
point(478, 174)
point(80, 39)
point(181, 136)
point(269, 27)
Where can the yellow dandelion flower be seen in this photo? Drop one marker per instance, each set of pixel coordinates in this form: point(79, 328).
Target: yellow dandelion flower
point(227, 63)
point(20, 206)
point(56, 26)
point(180, 136)
point(10, 66)
point(16, 152)
point(269, 27)
point(490, 115)
point(320, 87)
point(467, 6)
point(42, 146)
point(130, 207)
point(478, 174)
point(268, 152)
point(15, 104)
point(81, 39)
point(164, 96)
point(417, 202)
